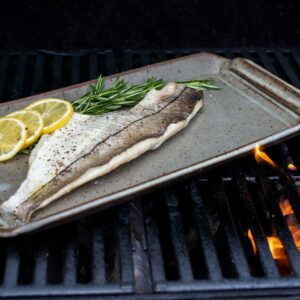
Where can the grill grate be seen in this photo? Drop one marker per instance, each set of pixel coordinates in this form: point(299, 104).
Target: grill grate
point(190, 237)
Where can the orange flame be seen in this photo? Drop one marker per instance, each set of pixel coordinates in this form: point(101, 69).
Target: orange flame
point(292, 167)
point(276, 248)
point(261, 156)
point(275, 245)
point(286, 207)
point(250, 236)
point(292, 221)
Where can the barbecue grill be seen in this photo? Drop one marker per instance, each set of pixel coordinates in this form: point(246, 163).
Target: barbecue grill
point(185, 241)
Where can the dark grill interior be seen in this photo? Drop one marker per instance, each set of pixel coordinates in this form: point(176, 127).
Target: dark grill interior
point(190, 238)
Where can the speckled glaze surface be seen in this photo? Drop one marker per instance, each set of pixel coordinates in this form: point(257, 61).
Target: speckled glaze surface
point(252, 106)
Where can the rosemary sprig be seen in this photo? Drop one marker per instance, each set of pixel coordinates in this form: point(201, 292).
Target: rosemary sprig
point(120, 95)
point(200, 84)
point(123, 95)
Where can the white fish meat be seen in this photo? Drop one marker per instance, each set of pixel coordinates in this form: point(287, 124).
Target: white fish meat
point(92, 146)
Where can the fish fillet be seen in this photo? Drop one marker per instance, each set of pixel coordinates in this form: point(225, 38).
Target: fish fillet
point(92, 146)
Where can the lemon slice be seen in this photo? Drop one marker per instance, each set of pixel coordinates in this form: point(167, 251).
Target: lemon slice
point(55, 112)
point(33, 122)
point(12, 137)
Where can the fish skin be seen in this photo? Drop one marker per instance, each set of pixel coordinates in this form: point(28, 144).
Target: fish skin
point(94, 141)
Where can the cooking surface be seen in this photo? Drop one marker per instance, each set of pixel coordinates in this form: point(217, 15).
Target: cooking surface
point(233, 117)
point(189, 237)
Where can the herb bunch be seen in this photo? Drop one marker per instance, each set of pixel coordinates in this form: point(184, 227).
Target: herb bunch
point(123, 95)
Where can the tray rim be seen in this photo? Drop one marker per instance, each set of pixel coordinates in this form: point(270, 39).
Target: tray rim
point(112, 199)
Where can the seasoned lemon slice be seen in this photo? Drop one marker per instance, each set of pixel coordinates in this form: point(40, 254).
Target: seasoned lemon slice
point(12, 137)
point(33, 122)
point(55, 112)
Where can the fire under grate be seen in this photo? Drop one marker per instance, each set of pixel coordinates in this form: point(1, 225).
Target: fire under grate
point(186, 241)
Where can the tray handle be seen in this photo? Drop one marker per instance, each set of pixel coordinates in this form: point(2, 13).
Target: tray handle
point(268, 83)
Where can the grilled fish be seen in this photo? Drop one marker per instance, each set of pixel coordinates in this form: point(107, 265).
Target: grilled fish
point(92, 146)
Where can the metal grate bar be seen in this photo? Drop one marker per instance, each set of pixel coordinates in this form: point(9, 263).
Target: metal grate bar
point(162, 56)
point(296, 56)
point(110, 63)
point(293, 195)
point(69, 267)
point(3, 70)
point(285, 156)
point(246, 54)
point(154, 247)
point(288, 187)
point(93, 67)
point(228, 53)
point(57, 72)
point(284, 63)
point(177, 235)
point(128, 62)
point(280, 225)
point(19, 78)
point(178, 53)
point(142, 272)
point(75, 69)
point(269, 267)
point(144, 58)
point(3, 246)
point(232, 235)
point(98, 261)
point(172, 54)
point(11, 271)
point(211, 259)
point(288, 182)
point(125, 248)
point(266, 61)
point(41, 264)
point(38, 75)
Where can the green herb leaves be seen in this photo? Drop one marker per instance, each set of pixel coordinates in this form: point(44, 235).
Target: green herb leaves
point(123, 95)
point(200, 84)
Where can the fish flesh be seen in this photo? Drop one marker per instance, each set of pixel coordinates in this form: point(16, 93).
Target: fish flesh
point(92, 146)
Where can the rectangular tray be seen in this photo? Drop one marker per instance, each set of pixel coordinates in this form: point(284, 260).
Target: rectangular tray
point(252, 106)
